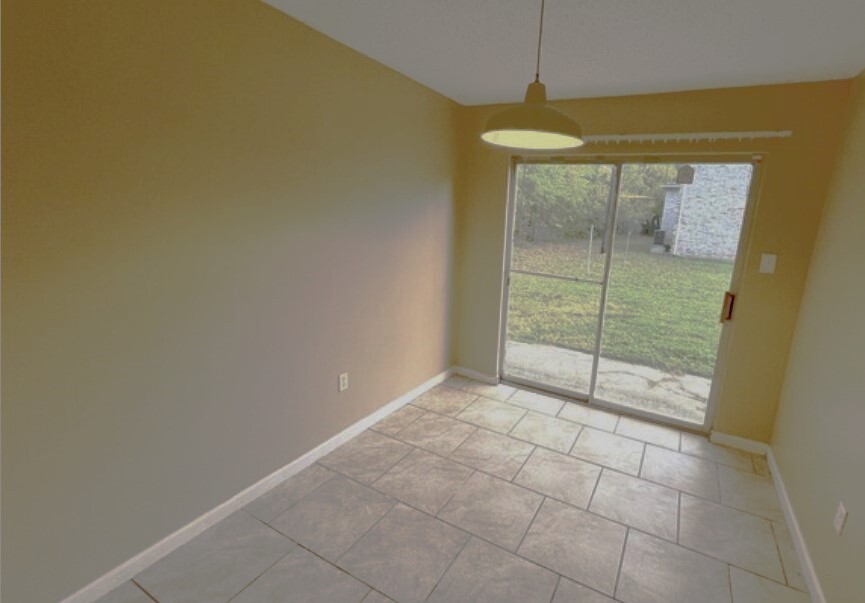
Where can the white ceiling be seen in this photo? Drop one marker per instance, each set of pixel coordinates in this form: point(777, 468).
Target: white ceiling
point(483, 51)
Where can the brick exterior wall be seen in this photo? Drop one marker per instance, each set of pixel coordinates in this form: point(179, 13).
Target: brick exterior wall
point(704, 219)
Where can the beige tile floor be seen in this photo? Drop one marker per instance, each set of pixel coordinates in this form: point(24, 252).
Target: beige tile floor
point(488, 493)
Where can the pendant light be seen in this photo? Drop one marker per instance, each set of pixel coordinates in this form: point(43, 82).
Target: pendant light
point(533, 125)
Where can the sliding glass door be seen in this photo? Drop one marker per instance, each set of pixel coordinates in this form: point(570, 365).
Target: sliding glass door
point(616, 277)
point(558, 255)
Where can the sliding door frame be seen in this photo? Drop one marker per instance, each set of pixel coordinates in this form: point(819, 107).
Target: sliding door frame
point(617, 161)
point(615, 181)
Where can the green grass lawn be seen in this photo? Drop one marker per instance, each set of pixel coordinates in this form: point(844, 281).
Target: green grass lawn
point(662, 310)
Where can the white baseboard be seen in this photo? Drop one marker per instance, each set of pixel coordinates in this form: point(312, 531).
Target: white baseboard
point(731, 441)
point(476, 375)
point(796, 533)
point(134, 566)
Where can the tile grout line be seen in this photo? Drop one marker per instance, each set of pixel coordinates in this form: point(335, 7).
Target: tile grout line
point(292, 505)
point(536, 445)
point(452, 561)
point(718, 481)
point(482, 399)
point(708, 457)
point(406, 426)
point(388, 468)
point(558, 414)
point(395, 463)
point(514, 426)
point(333, 563)
point(580, 431)
point(397, 502)
point(475, 428)
point(510, 395)
point(679, 518)
point(529, 525)
point(144, 590)
point(450, 498)
point(498, 546)
point(281, 557)
point(458, 446)
point(778, 550)
point(730, 580)
point(556, 589)
point(459, 389)
point(621, 562)
point(523, 464)
point(765, 578)
point(312, 552)
point(595, 488)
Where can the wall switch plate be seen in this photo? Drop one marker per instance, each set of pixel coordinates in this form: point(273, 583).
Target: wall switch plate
point(343, 382)
point(840, 517)
point(767, 263)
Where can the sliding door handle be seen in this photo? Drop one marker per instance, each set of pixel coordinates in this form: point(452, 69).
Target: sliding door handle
point(727, 307)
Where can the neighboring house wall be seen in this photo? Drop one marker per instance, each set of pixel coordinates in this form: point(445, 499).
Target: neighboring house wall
point(704, 219)
point(670, 215)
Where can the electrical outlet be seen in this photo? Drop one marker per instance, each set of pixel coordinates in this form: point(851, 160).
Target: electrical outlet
point(840, 517)
point(343, 382)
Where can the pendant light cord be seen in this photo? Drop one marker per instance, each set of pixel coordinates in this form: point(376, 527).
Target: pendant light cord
point(540, 37)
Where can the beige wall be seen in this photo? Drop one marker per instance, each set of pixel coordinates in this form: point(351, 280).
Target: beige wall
point(818, 441)
point(795, 176)
point(209, 211)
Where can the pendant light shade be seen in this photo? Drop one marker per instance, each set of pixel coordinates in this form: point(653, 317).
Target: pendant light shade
point(533, 125)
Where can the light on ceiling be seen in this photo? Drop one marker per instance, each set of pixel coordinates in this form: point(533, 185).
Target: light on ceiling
point(533, 125)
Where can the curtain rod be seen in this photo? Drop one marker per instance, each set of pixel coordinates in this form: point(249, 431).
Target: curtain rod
point(686, 136)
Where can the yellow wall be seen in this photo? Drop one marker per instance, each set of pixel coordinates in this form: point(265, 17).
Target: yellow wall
point(817, 440)
point(209, 211)
point(795, 175)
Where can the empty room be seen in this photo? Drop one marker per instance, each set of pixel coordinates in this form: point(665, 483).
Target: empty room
point(520, 301)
